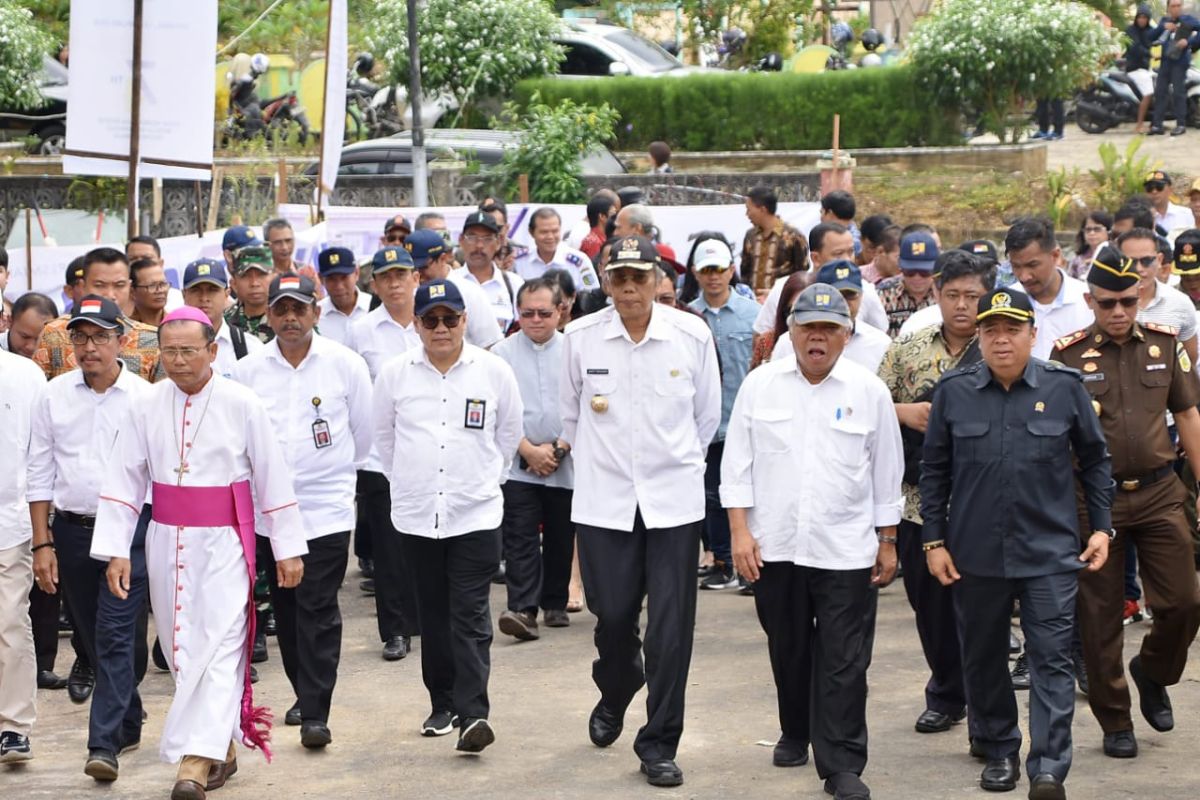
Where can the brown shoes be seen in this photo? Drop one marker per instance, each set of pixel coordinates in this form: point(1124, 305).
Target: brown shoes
point(519, 625)
point(188, 790)
point(220, 772)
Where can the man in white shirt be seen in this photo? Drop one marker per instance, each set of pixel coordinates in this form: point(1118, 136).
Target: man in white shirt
point(1158, 302)
point(74, 428)
point(550, 252)
point(537, 494)
point(384, 334)
point(206, 287)
point(1058, 300)
point(318, 394)
point(811, 547)
point(343, 304)
point(481, 240)
point(22, 384)
point(867, 343)
point(447, 424)
point(1171, 216)
point(641, 400)
point(434, 260)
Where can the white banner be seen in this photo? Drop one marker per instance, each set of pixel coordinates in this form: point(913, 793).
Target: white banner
point(333, 126)
point(178, 86)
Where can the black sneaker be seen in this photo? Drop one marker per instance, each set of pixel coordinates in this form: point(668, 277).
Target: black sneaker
point(1081, 676)
point(1020, 672)
point(366, 566)
point(439, 723)
point(720, 579)
point(367, 587)
point(745, 587)
point(101, 766)
point(159, 659)
point(475, 736)
point(14, 748)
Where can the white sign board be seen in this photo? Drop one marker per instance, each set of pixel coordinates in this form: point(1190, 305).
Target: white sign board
point(177, 92)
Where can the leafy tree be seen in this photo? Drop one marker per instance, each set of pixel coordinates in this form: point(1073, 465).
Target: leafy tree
point(23, 44)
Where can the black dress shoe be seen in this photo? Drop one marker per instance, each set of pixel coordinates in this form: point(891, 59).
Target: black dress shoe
point(605, 725)
point(396, 648)
point(662, 772)
point(1179, 130)
point(253, 674)
point(1156, 705)
point(101, 766)
point(474, 736)
point(367, 587)
point(292, 717)
point(270, 627)
point(932, 721)
point(1000, 774)
point(80, 682)
point(315, 734)
point(1156, 131)
point(1046, 787)
point(518, 624)
point(1120, 744)
point(498, 577)
point(366, 567)
point(1020, 673)
point(48, 679)
point(260, 654)
point(789, 753)
point(1080, 669)
point(160, 660)
point(1014, 644)
point(846, 786)
point(556, 618)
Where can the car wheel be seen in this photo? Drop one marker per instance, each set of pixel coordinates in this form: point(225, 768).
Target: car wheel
point(52, 140)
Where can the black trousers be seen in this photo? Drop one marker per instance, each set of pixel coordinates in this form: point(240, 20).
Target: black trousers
point(537, 573)
point(815, 625)
point(984, 608)
point(395, 596)
point(43, 616)
point(363, 544)
point(108, 628)
point(1171, 87)
point(620, 568)
point(716, 518)
point(453, 578)
point(933, 606)
point(309, 622)
point(1051, 112)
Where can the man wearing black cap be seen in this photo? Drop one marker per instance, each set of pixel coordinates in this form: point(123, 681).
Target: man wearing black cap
point(815, 559)
point(343, 304)
point(1115, 354)
point(206, 287)
point(1187, 264)
point(395, 230)
point(318, 393)
point(252, 268)
point(382, 334)
point(641, 400)
point(448, 419)
point(1012, 433)
point(1170, 216)
point(481, 240)
point(74, 427)
point(434, 260)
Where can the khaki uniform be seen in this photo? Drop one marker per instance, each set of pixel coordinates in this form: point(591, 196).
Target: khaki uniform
point(1132, 385)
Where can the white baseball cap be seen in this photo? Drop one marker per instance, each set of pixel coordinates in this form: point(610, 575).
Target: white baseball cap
point(712, 253)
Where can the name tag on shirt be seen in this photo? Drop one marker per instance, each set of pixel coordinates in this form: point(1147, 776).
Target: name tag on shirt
point(597, 372)
point(321, 435)
point(1099, 376)
point(476, 411)
point(1152, 367)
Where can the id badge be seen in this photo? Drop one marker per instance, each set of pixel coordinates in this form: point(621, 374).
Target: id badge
point(476, 414)
point(321, 437)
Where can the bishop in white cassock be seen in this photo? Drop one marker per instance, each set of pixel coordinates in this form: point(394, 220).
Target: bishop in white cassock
point(205, 448)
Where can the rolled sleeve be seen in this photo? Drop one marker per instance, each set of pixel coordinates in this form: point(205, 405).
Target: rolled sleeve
point(737, 460)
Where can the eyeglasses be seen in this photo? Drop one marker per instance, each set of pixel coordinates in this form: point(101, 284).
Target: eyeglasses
point(161, 286)
point(1095, 229)
point(1146, 261)
point(1112, 302)
point(475, 238)
point(176, 353)
point(103, 337)
point(394, 238)
point(542, 313)
point(431, 321)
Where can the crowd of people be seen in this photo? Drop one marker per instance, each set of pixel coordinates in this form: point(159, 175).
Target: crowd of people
point(595, 420)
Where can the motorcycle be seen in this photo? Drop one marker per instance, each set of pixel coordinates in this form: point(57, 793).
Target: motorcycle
point(372, 111)
point(1115, 98)
point(251, 117)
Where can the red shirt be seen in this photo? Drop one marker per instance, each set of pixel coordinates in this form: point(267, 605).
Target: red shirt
point(593, 243)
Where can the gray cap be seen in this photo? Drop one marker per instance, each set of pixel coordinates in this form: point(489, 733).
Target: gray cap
point(820, 302)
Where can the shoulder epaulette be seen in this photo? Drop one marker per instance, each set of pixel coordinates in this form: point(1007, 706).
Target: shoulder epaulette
point(1054, 366)
point(1070, 339)
point(957, 372)
point(1170, 330)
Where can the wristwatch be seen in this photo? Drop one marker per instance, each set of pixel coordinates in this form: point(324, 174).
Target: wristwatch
point(560, 453)
point(1110, 532)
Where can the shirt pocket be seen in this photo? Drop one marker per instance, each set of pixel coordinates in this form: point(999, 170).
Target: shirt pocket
point(673, 404)
point(598, 391)
point(1156, 384)
point(848, 443)
point(1048, 439)
point(970, 440)
point(772, 430)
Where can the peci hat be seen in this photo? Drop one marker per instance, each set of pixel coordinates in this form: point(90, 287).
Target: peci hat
point(438, 293)
point(253, 256)
point(389, 258)
point(981, 248)
point(1111, 270)
point(918, 251)
point(239, 236)
point(712, 253)
point(100, 311)
point(336, 261)
point(205, 270)
point(424, 246)
point(841, 274)
point(1005, 303)
point(297, 287)
point(481, 219)
point(820, 302)
point(635, 252)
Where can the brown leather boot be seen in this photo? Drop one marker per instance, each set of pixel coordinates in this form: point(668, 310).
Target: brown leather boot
point(191, 779)
point(221, 771)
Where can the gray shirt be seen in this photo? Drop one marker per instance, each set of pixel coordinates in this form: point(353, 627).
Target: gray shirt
point(538, 367)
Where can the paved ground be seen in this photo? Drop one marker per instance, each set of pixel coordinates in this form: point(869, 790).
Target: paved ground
point(1082, 150)
point(542, 694)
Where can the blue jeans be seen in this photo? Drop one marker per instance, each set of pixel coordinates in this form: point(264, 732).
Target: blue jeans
point(1172, 84)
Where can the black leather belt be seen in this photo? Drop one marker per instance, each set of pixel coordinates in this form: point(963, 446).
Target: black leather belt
point(1133, 484)
point(78, 520)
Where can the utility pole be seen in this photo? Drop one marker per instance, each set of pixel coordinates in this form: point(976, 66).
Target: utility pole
point(420, 197)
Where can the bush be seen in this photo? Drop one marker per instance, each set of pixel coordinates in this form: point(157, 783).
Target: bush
point(748, 111)
point(22, 45)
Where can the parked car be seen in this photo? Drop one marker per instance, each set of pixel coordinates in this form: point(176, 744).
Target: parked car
point(48, 123)
point(597, 49)
point(392, 155)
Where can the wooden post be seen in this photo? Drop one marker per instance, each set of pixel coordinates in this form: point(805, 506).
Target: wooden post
point(29, 249)
point(523, 185)
point(135, 122)
point(214, 199)
point(281, 192)
point(199, 209)
point(837, 130)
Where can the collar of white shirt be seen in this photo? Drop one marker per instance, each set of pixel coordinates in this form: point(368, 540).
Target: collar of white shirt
point(124, 378)
point(657, 329)
point(317, 346)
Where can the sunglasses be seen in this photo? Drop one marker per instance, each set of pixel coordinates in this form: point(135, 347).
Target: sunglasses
point(395, 238)
point(711, 270)
point(1111, 303)
point(431, 321)
point(915, 273)
point(542, 313)
point(1154, 186)
point(1146, 261)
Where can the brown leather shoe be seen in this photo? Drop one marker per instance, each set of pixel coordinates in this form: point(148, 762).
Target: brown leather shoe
point(220, 772)
point(188, 790)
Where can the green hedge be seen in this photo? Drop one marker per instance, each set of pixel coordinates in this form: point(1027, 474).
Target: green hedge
point(769, 111)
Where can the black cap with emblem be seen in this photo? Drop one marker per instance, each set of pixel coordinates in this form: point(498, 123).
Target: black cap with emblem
point(1112, 271)
point(1005, 303)
point(636, 252)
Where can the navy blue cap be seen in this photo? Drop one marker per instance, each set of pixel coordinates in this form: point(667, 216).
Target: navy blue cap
point(336, 261)
point(820, 302)
point(205, 270)
point(239, 236)
point(100, 311)
point(425, 245)
point(389, 258)
point(841, 274)
point(438, 293)
point(918, 251)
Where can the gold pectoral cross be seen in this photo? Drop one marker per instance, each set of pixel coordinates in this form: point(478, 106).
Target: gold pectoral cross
point(180, 470)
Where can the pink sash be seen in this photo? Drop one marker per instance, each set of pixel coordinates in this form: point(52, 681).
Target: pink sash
point(217, 507)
